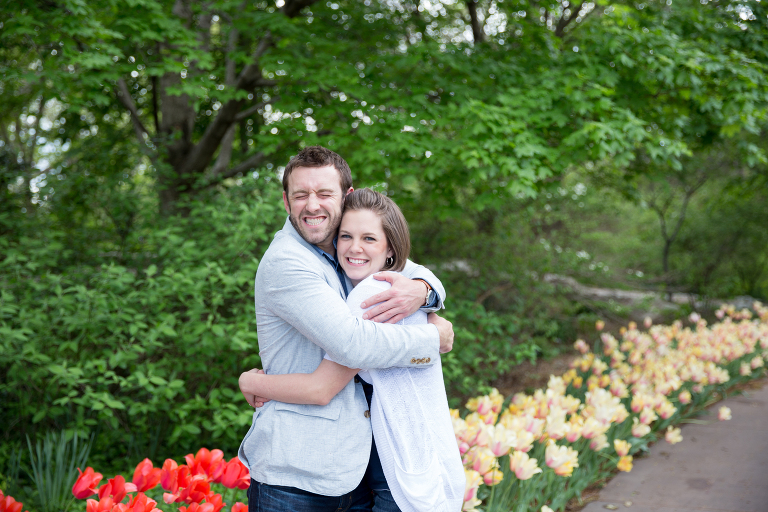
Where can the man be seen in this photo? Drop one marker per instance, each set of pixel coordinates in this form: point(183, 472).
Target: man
point(310, 457)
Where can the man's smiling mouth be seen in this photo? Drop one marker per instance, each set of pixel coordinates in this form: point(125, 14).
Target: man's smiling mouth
point(314, 221)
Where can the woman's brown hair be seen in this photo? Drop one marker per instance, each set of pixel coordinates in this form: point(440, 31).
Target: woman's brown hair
point(392, 220)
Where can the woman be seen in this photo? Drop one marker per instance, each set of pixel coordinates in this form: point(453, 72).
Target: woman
point(414, 445)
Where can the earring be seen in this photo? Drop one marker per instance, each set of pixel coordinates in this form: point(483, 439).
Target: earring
point(389, 261)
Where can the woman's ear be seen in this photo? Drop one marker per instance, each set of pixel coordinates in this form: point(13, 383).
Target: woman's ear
point(390, 252)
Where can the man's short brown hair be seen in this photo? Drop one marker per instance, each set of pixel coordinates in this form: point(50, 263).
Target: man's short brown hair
point(318, 156)
point(392, 220)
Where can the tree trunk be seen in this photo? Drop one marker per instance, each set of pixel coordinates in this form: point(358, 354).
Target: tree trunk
point(477, 30)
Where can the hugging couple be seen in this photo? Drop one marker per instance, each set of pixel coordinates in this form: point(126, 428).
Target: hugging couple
point(351, 412)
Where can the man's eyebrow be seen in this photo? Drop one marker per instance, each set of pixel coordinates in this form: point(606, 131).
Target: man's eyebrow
point(302, 191)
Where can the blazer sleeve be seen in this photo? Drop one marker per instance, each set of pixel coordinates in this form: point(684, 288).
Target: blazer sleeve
point(414, 271)
point(299, 294)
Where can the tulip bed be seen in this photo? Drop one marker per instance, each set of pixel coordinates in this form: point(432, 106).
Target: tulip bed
point(189, 487)
point(540, 451)
point(528, 453)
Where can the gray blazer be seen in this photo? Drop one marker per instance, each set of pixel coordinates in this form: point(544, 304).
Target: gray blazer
point(301, 314)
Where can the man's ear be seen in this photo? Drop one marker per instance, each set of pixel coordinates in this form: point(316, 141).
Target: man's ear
point(286, 204)
point(349, 191)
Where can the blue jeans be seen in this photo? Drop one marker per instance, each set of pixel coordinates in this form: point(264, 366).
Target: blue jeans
point(276, 498)
point(384, 502)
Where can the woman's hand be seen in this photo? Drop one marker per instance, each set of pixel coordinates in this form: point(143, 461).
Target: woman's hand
point(253, 400)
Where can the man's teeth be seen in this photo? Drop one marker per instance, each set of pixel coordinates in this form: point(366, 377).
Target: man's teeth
point(313, 222)
point(356, 262)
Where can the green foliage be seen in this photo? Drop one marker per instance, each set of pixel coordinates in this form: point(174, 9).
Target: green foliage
point(143, 352)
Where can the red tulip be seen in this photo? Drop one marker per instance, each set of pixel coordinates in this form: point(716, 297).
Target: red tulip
point(198, 489)
point(236, 475)
point(117, 488)
point(217, 501)
point(239, 507)
point(103, 505)
point(8, 504)
point(146, 476)
point(140, 503)
point(206, 461)
point(86, 483)
point(169, 476)
point(184, 476)
point(197, 507)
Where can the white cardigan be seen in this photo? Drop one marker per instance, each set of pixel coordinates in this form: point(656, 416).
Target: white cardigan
point(412, 427)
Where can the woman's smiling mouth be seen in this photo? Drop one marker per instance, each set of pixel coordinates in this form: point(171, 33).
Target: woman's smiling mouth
point(356, 261)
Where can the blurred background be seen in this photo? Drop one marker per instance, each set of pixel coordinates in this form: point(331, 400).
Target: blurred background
point(559, 163)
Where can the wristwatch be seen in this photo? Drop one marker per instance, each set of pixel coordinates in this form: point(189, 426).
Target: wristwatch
point(430, 294)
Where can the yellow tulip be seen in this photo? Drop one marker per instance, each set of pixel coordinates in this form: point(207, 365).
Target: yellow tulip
point(673, 435)
point(625, 463)
point(621, 446)
point(523, 466)
point(493, 477)
point(562, 459)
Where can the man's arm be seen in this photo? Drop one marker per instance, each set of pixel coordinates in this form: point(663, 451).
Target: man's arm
point(294, 290)
point(406, 296)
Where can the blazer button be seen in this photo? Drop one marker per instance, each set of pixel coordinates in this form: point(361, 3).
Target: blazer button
point(357, 379)
point(429, 359)
point(413, 360)
point(367, 414)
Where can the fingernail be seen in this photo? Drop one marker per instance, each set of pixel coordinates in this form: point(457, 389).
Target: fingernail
point(365, 316)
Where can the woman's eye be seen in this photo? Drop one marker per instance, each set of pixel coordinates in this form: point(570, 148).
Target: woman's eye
point(370, 239)
point(344, 236)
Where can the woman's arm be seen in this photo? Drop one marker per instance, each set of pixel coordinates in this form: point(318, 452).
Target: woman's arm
point(316, 388)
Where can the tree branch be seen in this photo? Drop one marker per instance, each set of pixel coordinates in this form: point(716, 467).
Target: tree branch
point(565, 21)
point(243, 166)
point(225, 152)
point(200, 156)
point(33, 143)
point(252, 110)
point(292, 8)
point(125, 98)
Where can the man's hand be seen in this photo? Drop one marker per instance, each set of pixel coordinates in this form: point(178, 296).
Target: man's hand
point(445, 328)
point(404, 298)
point(253, 400)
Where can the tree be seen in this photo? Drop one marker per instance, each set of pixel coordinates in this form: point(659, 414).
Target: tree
point(213, 91)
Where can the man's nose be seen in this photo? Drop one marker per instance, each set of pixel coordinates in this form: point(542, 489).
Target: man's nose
point(312, 202)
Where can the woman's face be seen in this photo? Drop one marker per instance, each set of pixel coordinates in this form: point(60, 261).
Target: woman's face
point(362, 247)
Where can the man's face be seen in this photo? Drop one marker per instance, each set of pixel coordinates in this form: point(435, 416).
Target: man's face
point(313, 203)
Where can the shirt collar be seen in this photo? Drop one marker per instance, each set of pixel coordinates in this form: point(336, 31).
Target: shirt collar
point(323, 253)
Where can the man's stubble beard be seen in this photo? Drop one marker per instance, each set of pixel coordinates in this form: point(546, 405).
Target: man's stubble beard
point(329, 232)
